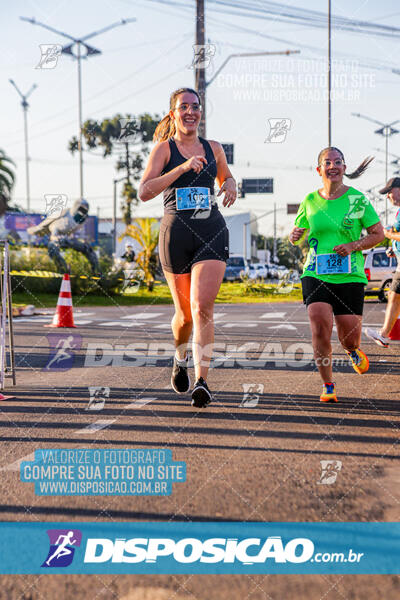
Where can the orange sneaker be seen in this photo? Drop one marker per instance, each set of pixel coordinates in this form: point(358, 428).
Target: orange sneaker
point(358, 360)
point(328, 393)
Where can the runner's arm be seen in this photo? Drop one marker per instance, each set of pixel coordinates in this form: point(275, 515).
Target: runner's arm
point(375, 236)
point(392, 235)
point(225, 179)
point(152, 182)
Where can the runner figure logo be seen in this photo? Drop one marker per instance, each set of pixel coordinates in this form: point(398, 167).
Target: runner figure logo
point(357, 204)
point(330, 470)
point(55, 204)
point(132, 280)
point(49, 56)
point(98, 396)
point(129, 131)
point(202, 56)
point(278, 129)
point(251, 394)
point(62, 347)
point(61, 551)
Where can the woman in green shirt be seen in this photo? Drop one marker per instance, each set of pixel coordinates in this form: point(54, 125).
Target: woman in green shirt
point(333, 277)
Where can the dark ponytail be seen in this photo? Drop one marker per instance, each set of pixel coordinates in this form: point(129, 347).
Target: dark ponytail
point(166, 127)
point(358, 171)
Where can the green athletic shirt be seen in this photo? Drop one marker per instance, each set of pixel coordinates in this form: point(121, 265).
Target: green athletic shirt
point(334, 222)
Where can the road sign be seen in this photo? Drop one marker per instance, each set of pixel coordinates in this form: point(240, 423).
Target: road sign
point(258, 186)
point(228, 148)
point(292, 209)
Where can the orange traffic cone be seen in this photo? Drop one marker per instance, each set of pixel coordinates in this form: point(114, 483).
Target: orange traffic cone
point(64, 316)
point(395, 333)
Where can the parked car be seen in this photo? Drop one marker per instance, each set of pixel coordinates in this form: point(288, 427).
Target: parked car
point(235, 266)
point(273, 271)
point(282, 271)
point(252, 271)
point(379, 269)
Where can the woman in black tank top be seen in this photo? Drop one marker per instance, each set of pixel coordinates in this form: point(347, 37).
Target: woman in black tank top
point(194, 240)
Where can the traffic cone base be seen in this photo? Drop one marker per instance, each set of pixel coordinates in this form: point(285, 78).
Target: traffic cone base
point(64, 316)
point(395, 333)
point(2, 397)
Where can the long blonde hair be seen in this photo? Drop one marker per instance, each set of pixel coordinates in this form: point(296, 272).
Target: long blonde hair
point(166, 127)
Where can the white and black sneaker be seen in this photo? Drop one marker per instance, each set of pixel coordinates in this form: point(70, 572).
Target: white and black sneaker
point(180, 380)
point(201, 395)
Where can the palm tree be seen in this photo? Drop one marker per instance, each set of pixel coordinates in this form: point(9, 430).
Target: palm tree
point(7, 180)
point(7, 176)
point(145, 232)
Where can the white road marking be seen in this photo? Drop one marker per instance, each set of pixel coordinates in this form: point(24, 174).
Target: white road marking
point(163, 326)
point(79, 322)
point(93, 427)
point(286, 326)
point(218, 316)
point(139, 402)
point(230, 325)
point(119, 324)
point(273, 315)
point(148, 315)
point(15, 466)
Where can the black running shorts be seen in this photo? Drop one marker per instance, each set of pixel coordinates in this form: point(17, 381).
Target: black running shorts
point(184, 242)
point(345, 298)
point(395, 285)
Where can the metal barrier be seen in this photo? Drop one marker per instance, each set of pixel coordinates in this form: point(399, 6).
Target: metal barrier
point(6, 321)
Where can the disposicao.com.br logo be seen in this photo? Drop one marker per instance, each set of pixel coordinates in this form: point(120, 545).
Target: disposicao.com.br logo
point(247, 551)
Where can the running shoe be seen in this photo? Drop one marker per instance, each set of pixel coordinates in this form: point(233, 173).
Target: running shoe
point(201, 395)
point(180, 380)
point(328, 393)
point(358, 360)
point(379, 339)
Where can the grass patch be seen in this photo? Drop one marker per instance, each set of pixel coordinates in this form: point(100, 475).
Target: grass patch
point(230, 293)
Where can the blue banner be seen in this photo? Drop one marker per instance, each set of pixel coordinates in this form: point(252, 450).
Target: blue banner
point(200, 548)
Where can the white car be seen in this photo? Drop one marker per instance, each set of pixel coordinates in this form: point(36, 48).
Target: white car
point(379, 269)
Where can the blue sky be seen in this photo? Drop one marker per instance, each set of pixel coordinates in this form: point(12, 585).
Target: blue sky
point(141, 63)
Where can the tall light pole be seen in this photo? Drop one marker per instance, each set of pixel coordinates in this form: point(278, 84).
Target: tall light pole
point(90, 51)
point(329, 76)
point(269, 212)
point(114, 220)
point(386, 130)
point(25, 107)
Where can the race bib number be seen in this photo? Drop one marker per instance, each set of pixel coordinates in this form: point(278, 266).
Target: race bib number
point(330, 264)
point(193, 198)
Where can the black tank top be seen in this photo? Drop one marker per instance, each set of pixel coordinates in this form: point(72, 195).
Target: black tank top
point(190, 179)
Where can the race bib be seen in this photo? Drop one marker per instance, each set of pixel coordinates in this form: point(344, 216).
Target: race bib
point(330, 264)
point(193, 198)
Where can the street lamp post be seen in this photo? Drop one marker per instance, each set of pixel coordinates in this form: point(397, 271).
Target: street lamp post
point(25, 107)
point(270, 212)
point(114, 221)
point(90, 51)
point(386, 130)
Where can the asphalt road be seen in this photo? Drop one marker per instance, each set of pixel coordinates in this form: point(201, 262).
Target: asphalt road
point(254, 454)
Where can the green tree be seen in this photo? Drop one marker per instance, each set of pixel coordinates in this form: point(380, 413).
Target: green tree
point(7, 180)
point(145, 232)
point(126, 137)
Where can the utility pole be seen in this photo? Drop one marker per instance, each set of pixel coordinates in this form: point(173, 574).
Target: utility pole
point(274, 257)
point(200, 73)
point(25, 107)
point(329, 77)
point(386, 130)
